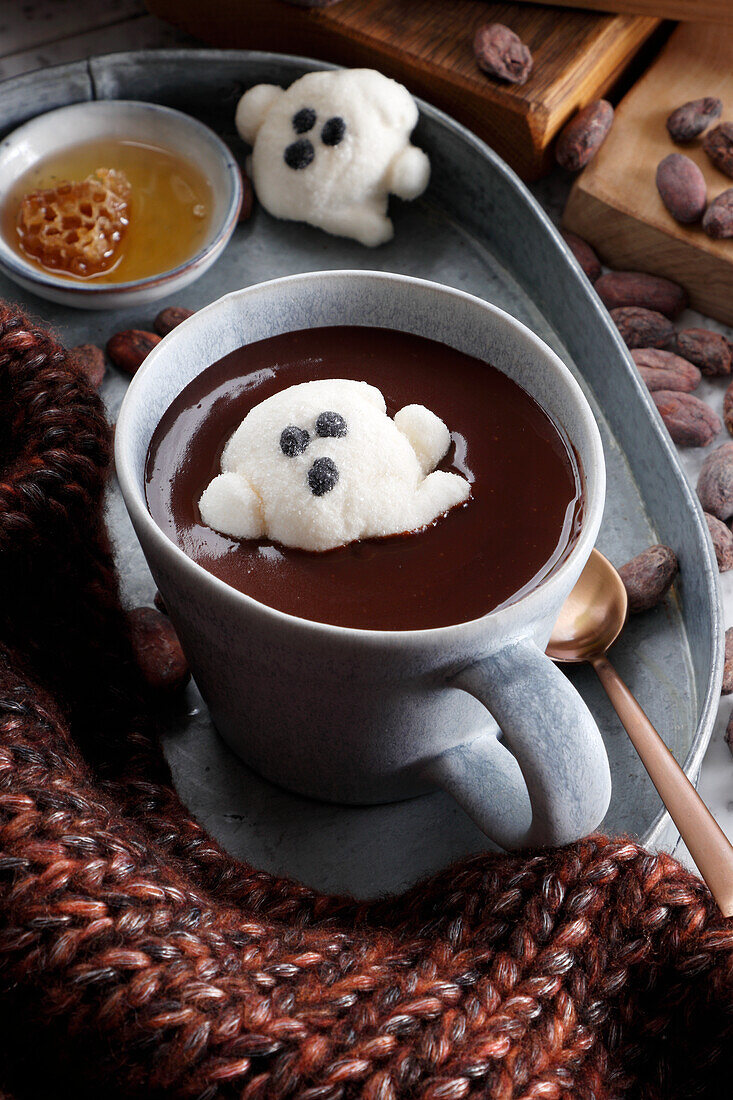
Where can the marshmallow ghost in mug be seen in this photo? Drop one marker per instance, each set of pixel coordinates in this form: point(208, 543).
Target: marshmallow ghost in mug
point(332, 148)
point(322, 464)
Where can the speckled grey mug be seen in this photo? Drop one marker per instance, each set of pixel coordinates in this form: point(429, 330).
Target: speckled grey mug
point(367, 715)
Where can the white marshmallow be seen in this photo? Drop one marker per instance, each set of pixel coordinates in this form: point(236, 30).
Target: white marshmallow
point(340, 184)
point(366, 479)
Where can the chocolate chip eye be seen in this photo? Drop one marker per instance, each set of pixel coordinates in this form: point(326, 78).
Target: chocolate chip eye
point(333, 131)
point(322, 476)
point(299, 154)
point(331, 425)
point(293, 441)
point(304, 120)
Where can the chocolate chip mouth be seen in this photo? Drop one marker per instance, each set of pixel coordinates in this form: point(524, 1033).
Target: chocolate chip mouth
point(322, 476)
point(299, 154)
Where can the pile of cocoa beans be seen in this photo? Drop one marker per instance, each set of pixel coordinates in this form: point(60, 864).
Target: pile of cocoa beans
point(671, 362)
point(680, 181)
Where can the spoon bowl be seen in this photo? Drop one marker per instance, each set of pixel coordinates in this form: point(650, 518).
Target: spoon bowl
point(593, 615)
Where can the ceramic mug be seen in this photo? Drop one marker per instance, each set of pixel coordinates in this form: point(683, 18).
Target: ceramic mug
point(365, 716)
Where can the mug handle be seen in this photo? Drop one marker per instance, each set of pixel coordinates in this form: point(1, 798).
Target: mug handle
point(547, 781)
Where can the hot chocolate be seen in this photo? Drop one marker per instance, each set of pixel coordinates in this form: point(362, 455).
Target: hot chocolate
point(521, 520)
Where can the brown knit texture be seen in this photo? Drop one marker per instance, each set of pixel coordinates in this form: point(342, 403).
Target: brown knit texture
point(137, 959)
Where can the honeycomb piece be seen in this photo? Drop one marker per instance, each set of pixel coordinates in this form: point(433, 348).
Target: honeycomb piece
point(77, 227)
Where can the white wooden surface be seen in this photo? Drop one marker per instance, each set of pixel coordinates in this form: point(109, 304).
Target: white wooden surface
point(37, 33)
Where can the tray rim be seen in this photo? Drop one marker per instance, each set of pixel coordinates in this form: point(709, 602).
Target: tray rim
point(709, 701)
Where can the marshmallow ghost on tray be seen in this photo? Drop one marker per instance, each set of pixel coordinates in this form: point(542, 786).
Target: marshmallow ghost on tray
point(332, 148)
point(322, 464)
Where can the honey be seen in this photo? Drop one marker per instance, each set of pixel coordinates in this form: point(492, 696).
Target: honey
point(168, 208)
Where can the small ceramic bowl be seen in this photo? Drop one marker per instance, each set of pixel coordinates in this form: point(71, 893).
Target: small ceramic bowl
point(130, 120)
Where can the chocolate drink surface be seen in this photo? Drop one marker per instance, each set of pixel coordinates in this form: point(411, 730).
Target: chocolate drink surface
point(521, 520)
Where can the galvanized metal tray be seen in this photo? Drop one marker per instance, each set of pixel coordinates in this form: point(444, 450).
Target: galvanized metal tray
point(477, 228)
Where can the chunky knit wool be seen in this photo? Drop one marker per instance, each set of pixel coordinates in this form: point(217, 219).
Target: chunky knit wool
point(137, 959)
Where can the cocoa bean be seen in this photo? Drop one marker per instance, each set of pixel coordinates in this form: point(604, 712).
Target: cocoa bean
point(718, 144)
point(170, 318)
point(501, 53)
point(160, 603)
point(643, 328)
point(248, 198)
point(715, 483)
point(89, 359)
point(689, 421)
point(708, 350)
point(728, 408)
point(129, 349)
point(722, 542)
point(663, 370)
point(157, 650)
point(581, 137)
point(727, 686)
point(636, 288)
point(584, 254)
point(647, 577)
point(681, 187)
point(692, 118)
point(718, 219)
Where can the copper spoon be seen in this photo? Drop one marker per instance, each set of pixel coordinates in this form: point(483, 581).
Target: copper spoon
point(590, 621)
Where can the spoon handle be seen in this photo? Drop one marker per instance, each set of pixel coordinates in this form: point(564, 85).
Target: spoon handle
point(705, 840)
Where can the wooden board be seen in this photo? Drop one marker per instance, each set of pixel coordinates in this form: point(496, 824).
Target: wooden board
point(690, 11)
point(427, 44)
point(614, 204)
